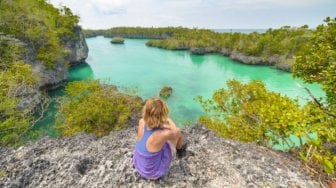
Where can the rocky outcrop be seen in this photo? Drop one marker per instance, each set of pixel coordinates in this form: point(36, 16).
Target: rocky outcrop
point(284, 66)
point(277, 61)
point(166, 91)
point(30, 99)
point(77, 51)
point(250, 59)
point(85, 161)
point(51, 78)
point(76, 48)
point(117, 40)
point(197, 51)
point(30, 96)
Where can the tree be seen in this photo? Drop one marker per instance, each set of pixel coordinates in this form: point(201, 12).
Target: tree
point(13, 122)
point(91, 107)
point(251, 113)
point(317, 63)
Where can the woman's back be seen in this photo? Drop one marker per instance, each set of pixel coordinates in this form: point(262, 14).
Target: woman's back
point(151, 165)
point(157, 140)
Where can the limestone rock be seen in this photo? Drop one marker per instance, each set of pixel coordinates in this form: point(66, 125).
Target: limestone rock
point(77, 48)
point(77, 53)
point(198, 51)
point(85, 161)
point(166, 91)
point(117, 40)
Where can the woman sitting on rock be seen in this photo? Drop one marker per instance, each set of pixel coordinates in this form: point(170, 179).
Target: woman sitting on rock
point(157, 140)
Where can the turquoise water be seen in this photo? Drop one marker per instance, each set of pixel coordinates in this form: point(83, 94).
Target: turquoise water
point(143, 70)
point(146, 70)
point(45, 126)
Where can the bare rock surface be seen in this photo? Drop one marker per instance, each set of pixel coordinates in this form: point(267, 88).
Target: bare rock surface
point(77, 48)
point(85, 161)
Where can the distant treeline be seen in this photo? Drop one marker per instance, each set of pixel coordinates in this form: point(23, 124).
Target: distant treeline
point(274, 47)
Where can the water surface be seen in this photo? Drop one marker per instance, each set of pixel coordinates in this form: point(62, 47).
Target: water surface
point(146, 70)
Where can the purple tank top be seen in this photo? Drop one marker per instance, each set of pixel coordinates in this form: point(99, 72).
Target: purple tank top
point(151, 165)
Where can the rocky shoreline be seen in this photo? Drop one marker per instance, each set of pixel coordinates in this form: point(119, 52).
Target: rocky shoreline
point(278, 62)
point(85, 161)
point(77, 51)
point(48, 78)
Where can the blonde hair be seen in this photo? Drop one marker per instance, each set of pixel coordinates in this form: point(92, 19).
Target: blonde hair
point(155, 113)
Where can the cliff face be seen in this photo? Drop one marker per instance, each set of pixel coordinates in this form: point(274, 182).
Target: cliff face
point(85, 161)
point(254, 60)
point(48, 78)
point(77, 48)
point(77, 51)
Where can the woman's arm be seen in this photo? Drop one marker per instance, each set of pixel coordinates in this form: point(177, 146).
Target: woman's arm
point(140, 129)
point(173, 132)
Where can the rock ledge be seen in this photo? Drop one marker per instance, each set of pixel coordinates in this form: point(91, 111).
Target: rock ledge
point(85, 161)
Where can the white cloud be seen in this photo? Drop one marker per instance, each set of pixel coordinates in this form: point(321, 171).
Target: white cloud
point(199, 13)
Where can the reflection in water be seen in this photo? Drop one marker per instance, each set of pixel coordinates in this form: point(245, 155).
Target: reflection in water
point(82, 71)
point(197, 59)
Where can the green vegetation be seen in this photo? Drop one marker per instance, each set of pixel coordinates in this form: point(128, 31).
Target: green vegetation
point(317, 62)
point(166, 91)
point(14, 123)
point(134, 32)
point(3, 173)
point(275, 47)
point(117, 40)
point(250, 113)
point(31, 31)
point(94, 108)
point(11, 50)
point(247, 112)
point(41, 26)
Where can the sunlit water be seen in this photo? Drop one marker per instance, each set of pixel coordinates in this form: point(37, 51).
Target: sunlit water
point(146, 70)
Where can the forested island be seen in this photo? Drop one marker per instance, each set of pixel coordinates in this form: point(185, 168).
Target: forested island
point(38, 43)
point(275, 47)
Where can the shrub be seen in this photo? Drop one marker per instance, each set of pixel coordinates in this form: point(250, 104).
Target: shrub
point(251, 113)
point(166, 91)
point(94, 108)
point(117, 40)
point(14, 123)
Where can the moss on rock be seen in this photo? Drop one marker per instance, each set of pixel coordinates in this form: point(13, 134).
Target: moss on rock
point(166, 91)
point(117, 40)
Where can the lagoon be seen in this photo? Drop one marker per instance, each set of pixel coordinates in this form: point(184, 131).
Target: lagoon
point(140, 70)
point(145, 70)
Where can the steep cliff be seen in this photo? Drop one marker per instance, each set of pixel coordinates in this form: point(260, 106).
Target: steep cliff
point(48, 78)
point(77, 51)
point(77, 48)
point(85, 161)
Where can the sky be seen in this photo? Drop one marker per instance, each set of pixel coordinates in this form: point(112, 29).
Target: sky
point(212, 14)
